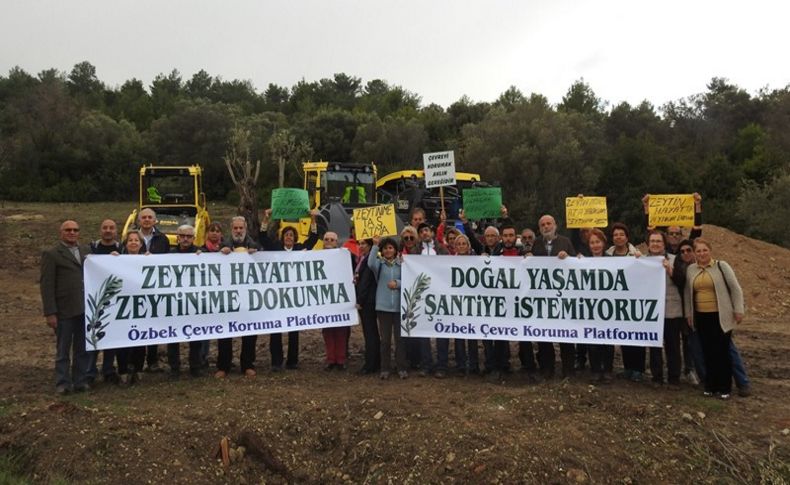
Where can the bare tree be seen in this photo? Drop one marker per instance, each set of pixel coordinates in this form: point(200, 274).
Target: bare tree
point(285, 150)
point(243, 174)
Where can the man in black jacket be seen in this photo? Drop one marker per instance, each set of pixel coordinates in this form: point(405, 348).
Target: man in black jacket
point(157, 243)
point(185, 235)
point(106, 244)
point(289, 242)
point(239, 240)
point(552, 244)
point(365, 286)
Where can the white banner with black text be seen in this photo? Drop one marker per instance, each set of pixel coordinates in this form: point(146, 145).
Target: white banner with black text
point(609, 300)
point(142, 300)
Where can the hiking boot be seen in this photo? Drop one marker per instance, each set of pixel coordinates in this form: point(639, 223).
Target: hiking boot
point(745, 391)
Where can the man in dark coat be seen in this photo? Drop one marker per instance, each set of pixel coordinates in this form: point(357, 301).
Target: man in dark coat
point(106, 244)
point(239, 240)
point(63, 297)
point(365, 286)
point(289, 242)
point(552, 244)
point(185, 235)
point(157, 243)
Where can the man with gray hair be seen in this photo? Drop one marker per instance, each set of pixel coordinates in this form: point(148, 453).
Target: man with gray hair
point(239, 240)
point(156, 242)
point(552, 244)
point(63, 297)
point(185, 236)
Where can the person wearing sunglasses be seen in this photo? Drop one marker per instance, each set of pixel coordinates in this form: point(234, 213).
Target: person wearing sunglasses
point(185, 244)
point(63, 298)
point(675, 233)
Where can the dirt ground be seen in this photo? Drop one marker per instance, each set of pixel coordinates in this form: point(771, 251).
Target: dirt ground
point(310, 426)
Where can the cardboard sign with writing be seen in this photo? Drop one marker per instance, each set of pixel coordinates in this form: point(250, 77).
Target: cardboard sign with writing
point(484, 203)
point(290, 203)
point(439, 169)
point(671, 210)
point(374, 221)
point(586, 212)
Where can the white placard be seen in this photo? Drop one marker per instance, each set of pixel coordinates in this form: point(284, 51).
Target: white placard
point(439, 169)
point(142, 300)
point(575, 300)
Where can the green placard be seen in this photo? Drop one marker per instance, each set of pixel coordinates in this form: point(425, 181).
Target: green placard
point(483, 203)
point(290, 203)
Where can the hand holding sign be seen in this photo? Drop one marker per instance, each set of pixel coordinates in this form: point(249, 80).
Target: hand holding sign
point(484, 203)
point(290, 204)
point(583, 212)
point(439, 169)
point(671, 210)
point(375, 221)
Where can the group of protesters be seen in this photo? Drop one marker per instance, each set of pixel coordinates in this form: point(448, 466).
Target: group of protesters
point(704, 303)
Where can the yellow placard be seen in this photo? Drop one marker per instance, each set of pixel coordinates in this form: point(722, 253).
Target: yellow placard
point(671, 210)
point(586, 212)
point(374, 221)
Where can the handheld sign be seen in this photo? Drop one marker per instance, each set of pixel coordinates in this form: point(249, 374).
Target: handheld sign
point(290, 203)
point(581, 212)
point(671, 210)
point(483, 203)
point(374, 221)
point(439, 169)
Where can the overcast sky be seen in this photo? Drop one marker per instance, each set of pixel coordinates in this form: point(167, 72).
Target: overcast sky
point(441, 50)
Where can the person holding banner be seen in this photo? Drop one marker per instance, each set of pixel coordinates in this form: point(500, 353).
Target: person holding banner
point(386, 267)
point(156, 242)
point(131, 359)
point(213, 244)
point(552, 244)
point(239, 240)
point(675, 233)
point(106, 244)
point(673, 317)
point(63, 298)
point(633, 357)
point(714, 305)
point(289, 242)
point(466, 351)
point(185, 235)
point(335, 338)
point(601, 356)
point(365, 288)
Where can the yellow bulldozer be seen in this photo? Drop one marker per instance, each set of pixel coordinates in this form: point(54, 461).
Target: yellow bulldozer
point(176, 194)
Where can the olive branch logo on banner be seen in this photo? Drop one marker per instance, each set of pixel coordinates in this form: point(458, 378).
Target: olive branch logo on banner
point(98, 305)
point(412, 304)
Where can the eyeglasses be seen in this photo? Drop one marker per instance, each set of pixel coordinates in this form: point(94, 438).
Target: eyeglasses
point(408, 238)
point(330, 240)
point(188, 236)
point(71, 229)
point(674, 233)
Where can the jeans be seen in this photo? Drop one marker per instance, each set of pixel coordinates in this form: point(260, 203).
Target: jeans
point(601, 358)
point(71, 359)
point(738, 369)
point(467, 355)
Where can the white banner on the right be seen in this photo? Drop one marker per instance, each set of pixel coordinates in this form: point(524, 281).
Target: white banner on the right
point(615, 300)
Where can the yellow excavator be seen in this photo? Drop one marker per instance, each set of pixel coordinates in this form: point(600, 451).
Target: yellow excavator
point(335, 189)
point(176, 194)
